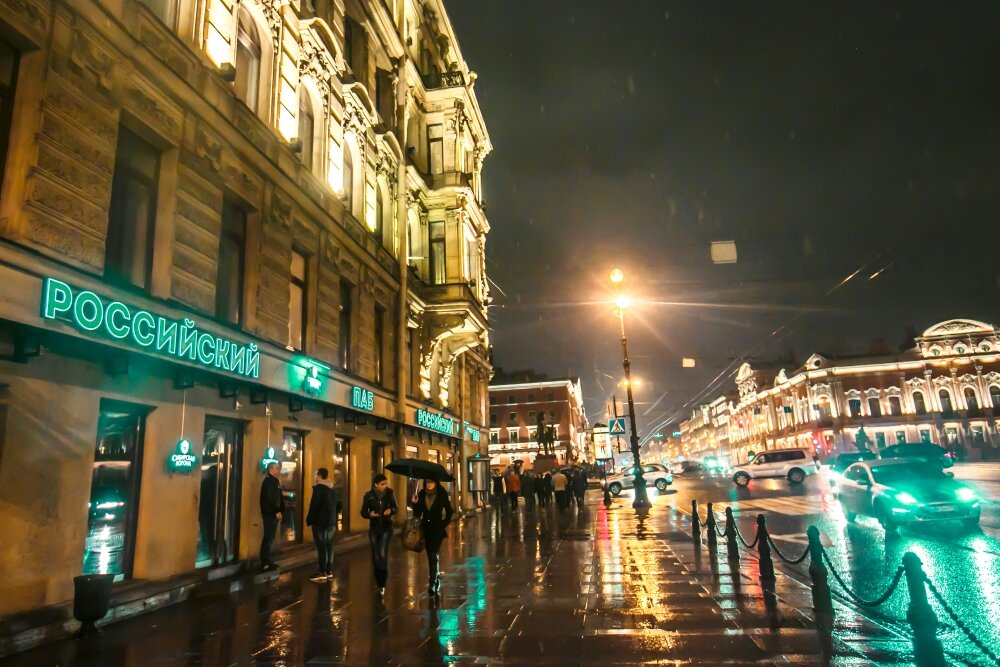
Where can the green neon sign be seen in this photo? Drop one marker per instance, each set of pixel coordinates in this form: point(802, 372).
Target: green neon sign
point(177, 339)
point(182, 460)
point(313, 383)
point(473, 433)
point(268, 459)
point(435, 422)
point(362, 399)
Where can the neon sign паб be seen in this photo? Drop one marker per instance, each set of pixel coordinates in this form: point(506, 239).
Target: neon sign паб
point(179, 339)
point(362, 399)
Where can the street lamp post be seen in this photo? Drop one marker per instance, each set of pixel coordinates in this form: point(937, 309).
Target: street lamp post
point(641, 501)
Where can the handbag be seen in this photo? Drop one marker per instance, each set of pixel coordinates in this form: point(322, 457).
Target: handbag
point(412, 536)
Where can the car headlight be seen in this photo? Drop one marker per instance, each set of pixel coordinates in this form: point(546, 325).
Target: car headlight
point(834, 476)
point(905, 498)
point(966, 495)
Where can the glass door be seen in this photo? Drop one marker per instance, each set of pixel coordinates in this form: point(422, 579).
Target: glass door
point(221, 481)
point(290, 475)
point(340, 474)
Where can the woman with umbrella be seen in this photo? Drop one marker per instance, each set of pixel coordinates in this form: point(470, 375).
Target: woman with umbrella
point(433, 507)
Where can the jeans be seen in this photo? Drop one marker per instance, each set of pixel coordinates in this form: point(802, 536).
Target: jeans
point(270, 526)
point(323, 537)
point(379, 539)
point(432, 546)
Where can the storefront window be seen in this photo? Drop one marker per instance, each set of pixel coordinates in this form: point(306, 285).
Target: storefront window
point(219, 502)
point(290, 476)
point(114, 490)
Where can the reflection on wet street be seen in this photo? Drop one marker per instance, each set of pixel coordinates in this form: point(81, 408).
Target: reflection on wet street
point(591, 586)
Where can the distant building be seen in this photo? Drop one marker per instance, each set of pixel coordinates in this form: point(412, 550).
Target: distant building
point(514, 411)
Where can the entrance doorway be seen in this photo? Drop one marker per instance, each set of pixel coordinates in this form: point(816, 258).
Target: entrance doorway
point(341, 484)
point(221, 481)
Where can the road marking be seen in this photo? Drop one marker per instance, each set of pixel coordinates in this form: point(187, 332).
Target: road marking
point(787, 505)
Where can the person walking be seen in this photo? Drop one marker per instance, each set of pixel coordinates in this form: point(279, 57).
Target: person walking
point(559, 484)
point(580, 487)
point(433, 507)
point(272, 507)
point(528, 482)
point(379, 506)
point(322, 517)
point(513, 487)
point(542, 489)
point(498, 489)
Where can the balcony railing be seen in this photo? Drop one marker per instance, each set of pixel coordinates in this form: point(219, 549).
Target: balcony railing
point(443, 80)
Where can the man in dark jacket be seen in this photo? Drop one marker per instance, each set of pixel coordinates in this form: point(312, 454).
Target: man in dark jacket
point(322, 517)
point(272, 506)
point(528, 490)
point(498, 490)
point(580, 487)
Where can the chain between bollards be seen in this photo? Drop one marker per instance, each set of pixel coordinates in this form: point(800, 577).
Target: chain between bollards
point(695, 523)
point(764, 550)
point(732, 548)
point(927, 650)
point(713, 537)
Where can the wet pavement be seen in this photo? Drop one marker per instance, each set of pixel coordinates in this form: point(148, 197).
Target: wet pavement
point(590, 587)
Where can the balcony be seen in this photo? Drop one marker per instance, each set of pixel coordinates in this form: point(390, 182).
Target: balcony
point(451, 179)
point(437, 80)
point(461, 293)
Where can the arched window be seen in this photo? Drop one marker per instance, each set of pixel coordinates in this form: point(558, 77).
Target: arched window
point(971, 400)
point(946, 406)
point(874, 407)
point(895, 406)
point(307, 123)
point(854, 407)
point(247, 83)
point(349, 177)
point(995, 395)
point(919, 405)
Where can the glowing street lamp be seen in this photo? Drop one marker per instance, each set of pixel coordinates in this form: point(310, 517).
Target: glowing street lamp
point(641, 502)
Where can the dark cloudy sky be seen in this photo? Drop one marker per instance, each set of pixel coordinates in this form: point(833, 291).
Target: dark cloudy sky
point(822, 137)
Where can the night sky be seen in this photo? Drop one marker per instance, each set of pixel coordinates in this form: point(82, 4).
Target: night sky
point(824, 138)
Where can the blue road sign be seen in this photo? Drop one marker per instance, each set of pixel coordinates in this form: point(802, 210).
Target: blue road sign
point(616, 426)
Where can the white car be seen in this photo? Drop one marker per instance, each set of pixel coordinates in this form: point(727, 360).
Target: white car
point(792, 464)
point(654, 474)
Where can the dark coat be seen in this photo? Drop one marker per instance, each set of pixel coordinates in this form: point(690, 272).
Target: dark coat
point(497, 484)
point(323, 507)
point(272, 500)
point(580, 483)
point(528, 484)
point(372, 503)
point(434, 520)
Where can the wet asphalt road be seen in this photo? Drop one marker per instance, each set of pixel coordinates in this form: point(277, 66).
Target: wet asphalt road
point(964, 564)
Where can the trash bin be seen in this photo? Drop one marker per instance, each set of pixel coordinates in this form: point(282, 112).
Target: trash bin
point(91, 599)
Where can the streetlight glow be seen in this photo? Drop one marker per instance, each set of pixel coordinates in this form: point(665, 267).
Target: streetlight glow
point(617, 275)
point(622, 301)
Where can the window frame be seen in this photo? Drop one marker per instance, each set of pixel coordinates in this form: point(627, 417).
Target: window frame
point(302, 284)
point(255, 49)
point(240, 241)
point(345, 339)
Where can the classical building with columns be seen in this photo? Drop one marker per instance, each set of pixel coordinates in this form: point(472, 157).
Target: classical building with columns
point(232, 232)
point(946, 390)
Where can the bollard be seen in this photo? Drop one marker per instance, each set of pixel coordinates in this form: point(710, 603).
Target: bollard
point(607, 495)
point(695, 523)
point(818, 574)
point(713, 537)
point(927, 651)
point(732, 549)
point(764, 550)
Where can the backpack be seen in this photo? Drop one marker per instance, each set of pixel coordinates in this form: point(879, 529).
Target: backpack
point(412, 536)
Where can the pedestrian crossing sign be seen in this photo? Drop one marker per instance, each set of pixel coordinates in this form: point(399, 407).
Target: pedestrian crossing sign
point(617, 426)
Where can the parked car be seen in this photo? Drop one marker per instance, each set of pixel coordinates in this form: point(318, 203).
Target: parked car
point(920, 451)
point(844, 461)
point(654, 474)
point(793, 464)
point(903, 491)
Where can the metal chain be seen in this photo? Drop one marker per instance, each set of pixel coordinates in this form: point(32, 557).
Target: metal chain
point(961, 626)
point(784, 557)
point(857, 598)
point(745, 543)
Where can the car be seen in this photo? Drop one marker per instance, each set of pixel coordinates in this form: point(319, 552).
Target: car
point(923, 451)
point(793, 464)
point(901, 491)
point(843, 462)
point(654, 474)
point(684, 467)
point(716, 466)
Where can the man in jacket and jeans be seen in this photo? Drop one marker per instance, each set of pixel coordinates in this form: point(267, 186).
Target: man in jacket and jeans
point(322, 517)
point(272, 506)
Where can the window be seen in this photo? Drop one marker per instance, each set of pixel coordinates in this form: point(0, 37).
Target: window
point(512, 417)
point(307, 122)
point(550, 396)
point(165, 10)
point(925, 435)
point(552, 415)
point(970, 398)
point(439, 274)
point(435, 148)
point(511, 399)
point(493, 400)
point(297, 313)
point(995, 395)
point(493, 419)
point(348, 173)
point(379, 344)
point(494, 437)
point(880, 440)
point(345, 311)
point(356, 49)
point(919, 406)
point(900, 437)
point(854, 407)
point(531, 398)
point(874, 407)
point(532, 434)
point(895, 406)
point(232, 260)
point(531, 415)
point(512, 435)
point(128, 252)
point(945, 397)
point(247, 82)
point(8, 77)
point(114, 490)
point(823, 409)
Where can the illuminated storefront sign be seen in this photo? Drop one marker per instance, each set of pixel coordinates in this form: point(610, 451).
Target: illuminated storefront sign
point(362, 399)
point(435, 422)
point(313, 383)
point(178, 339)
point(268, 459)
point(472, 432)
point(182, 460)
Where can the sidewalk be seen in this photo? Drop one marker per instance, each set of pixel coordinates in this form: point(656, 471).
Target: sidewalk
point(586, 588)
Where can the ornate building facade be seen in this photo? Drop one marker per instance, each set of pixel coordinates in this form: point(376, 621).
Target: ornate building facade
point(231, 232)
point(515, 409)
point(946, 390)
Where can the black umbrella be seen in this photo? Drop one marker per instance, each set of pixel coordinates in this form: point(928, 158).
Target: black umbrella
point(419, 469)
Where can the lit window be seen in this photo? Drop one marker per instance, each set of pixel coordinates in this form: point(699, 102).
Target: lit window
point(307, 124)
point(247, 83)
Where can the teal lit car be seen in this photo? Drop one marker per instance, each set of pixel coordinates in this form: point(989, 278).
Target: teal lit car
point(901, 492)
point(843, 461)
